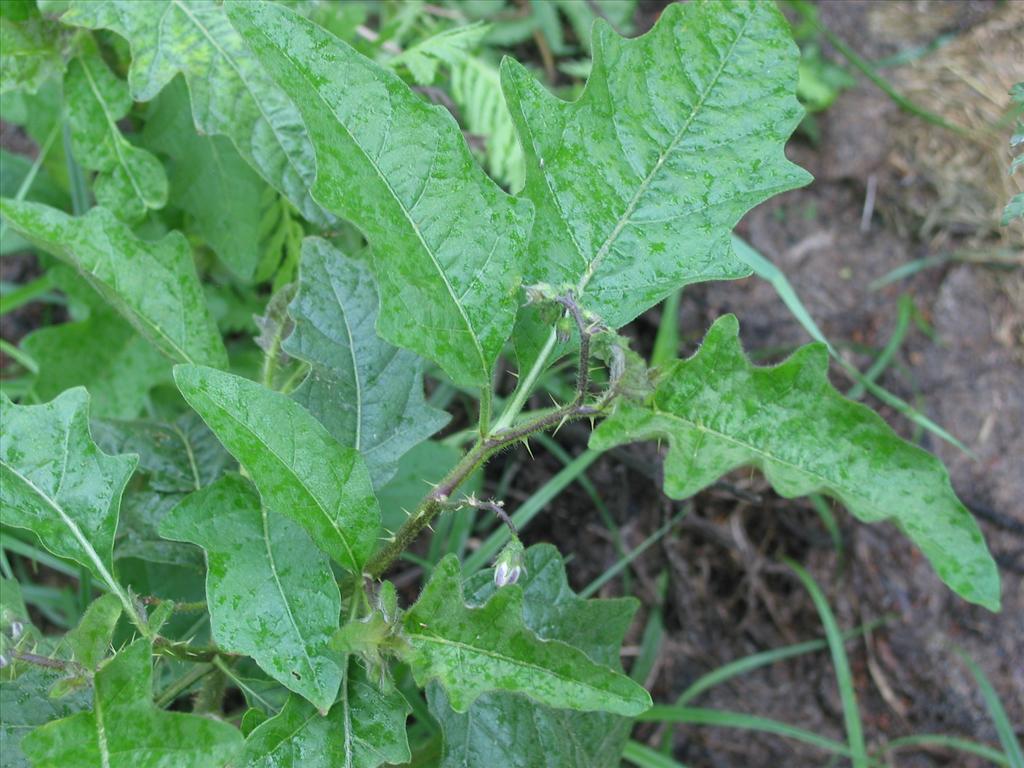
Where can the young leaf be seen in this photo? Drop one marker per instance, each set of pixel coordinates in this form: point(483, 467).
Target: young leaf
point(365, 729)
point(367, 393)
point(90, 640)
point(130, 180)
point(59, 484)
point(152, 284)
point(125, 730)
point(299, 469)
point(638, 184)
point(231, 94)
point(255, 558)
point(718, 412)
point(446, 240)
point(506, 729)
point(471, 651)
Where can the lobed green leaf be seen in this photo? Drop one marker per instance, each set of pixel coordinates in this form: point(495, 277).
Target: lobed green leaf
point(471, 651)
point(507, 729)
point(270, 593)
point(58, 484)
point(130, 181)
point(446, 240)
point(29, 48)
point(299, 469)
point(125, 730)
point(365, 729)
point(231, 94)
point(638, 184)
point(718, 412)
point(153, 285)
point(368, 393)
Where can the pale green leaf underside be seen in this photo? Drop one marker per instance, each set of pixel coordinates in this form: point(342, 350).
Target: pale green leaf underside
point(718, 412)
point(472, 651)
point(57, 483)
point(446, 240)
point(152, 284)
point(231, 94)
point(507, 729)
point(364, 729)
point(299, 469)
point(255, 558)
point(368, 393)
point(638, 184)
point(130, 181)
point(125, 730)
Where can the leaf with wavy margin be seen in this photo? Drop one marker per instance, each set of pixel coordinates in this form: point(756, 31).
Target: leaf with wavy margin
point(153, 285)
point(299, 469)
point(231, 94)
point(446, 240)
point(638, 183)
point(718, 412)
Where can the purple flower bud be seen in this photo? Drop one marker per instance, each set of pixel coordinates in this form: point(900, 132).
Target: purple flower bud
point(16, 629)
point(509, 565)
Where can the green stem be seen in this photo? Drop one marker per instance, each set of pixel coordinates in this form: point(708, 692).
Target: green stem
point(501, 437)
point(526, 384)
point(436, 501)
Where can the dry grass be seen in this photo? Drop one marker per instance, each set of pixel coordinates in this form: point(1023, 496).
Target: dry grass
point(950, 188)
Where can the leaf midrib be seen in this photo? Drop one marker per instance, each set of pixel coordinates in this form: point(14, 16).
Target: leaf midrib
point(624, 218)
point(704, 429)
point(291, 471)
point(356, 378)
point(521, 663)
point(406, 213)
point(284, 597)
point(112, 130)
point(70, 524)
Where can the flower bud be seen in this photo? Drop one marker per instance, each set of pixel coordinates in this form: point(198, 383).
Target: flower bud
point(510, 564)
point(16, 629)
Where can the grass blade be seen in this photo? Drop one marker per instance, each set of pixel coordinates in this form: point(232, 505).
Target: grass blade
point(932, 740)
point(1007, 737)
point(851, 712)
point(645, 757)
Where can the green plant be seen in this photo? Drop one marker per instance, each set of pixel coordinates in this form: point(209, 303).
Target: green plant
point(236, 528)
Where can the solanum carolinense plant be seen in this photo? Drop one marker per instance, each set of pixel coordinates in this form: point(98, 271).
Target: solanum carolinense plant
point(154, 440)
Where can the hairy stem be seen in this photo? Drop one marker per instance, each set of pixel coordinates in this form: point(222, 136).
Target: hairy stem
point(501, 437)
